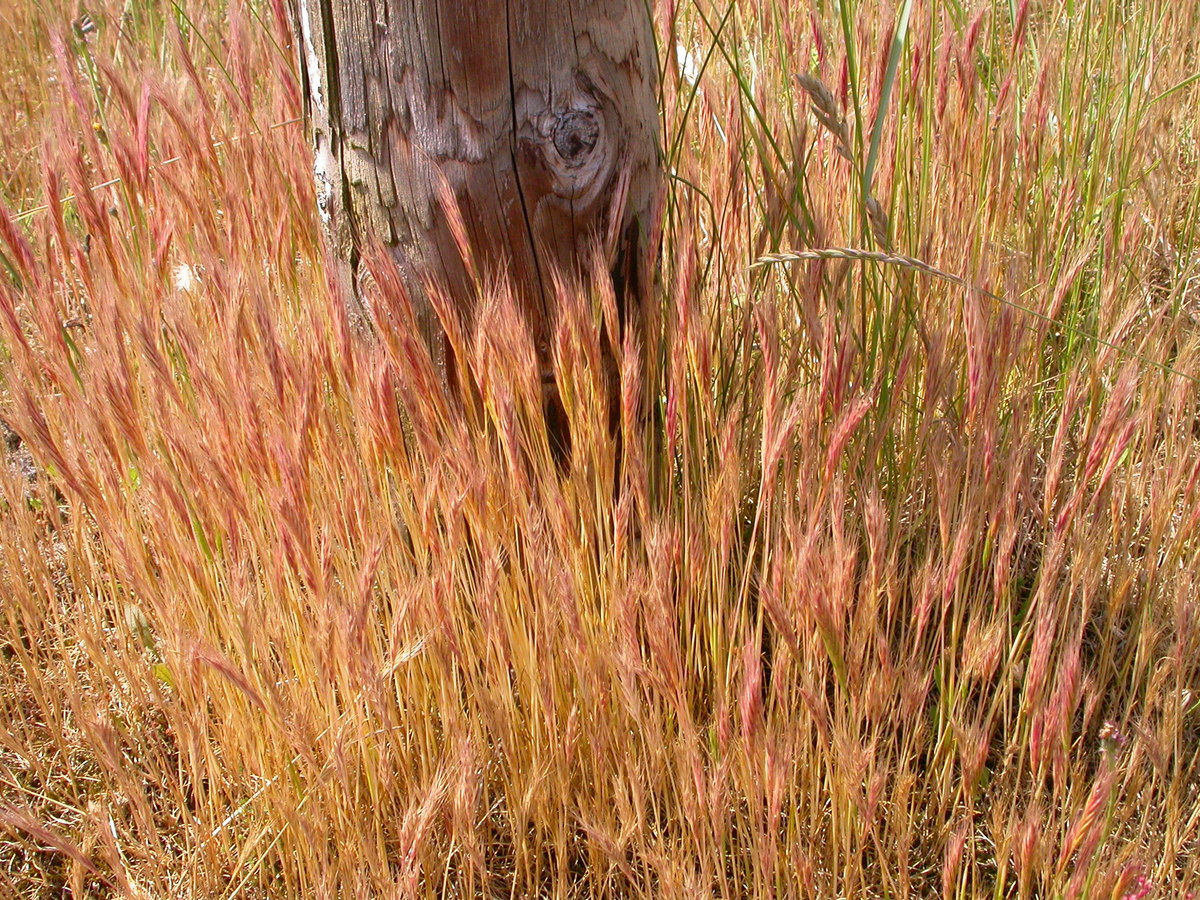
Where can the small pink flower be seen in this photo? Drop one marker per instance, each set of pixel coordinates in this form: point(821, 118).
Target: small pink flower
point(1111, 738)
point(1139, 889)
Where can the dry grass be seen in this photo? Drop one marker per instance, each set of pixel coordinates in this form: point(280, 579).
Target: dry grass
point(278, 620)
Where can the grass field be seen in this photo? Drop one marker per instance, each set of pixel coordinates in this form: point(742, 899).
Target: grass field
point(898, 591)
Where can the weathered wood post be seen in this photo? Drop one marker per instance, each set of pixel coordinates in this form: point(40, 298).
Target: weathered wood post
point(541, 116)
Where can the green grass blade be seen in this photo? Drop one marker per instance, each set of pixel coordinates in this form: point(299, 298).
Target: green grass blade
point(899, 37)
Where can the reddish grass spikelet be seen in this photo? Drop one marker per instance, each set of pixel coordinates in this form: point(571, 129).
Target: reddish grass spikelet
point(917, 70)
point(1113, 430)
point(968, 74)
point(1088, 829)
point(974, 30)
point(818, 39)
point(14, 332)
point(1060, 707)
point(1003, 96)
point(142, 138)
point(1026, 847)
point(945, 54)
point(952, 859)
point(18, 820)
point(843, 432)
point(18, 246)
point(1020, 26)
point(750, 700)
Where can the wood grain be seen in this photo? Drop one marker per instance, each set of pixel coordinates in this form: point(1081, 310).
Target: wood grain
point(540, 116)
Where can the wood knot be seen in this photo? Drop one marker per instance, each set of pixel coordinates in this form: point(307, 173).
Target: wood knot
point(569, 141)
point(575, 134)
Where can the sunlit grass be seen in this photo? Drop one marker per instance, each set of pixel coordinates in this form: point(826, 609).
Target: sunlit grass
point(884, 584)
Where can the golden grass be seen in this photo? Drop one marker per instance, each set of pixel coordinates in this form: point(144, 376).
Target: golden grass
point(893, 594)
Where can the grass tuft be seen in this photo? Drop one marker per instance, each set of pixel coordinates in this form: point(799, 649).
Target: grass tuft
point(888, 589)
